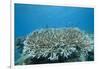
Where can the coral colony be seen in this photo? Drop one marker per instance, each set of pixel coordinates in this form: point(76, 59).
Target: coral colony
point(53, 45)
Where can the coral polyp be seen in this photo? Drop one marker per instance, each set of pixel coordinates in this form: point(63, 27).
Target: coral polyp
point(53, 43)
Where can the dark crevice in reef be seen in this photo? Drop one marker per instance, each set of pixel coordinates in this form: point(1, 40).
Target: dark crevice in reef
point(90, 56)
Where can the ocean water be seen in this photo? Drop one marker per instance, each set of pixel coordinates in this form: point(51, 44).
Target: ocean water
point(31, 17)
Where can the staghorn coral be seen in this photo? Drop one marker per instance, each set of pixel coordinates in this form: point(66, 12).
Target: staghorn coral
point(55, 42)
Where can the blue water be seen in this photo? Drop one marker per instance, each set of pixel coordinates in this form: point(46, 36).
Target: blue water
point(30, 17)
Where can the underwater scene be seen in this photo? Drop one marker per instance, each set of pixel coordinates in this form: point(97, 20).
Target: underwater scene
point(46, 34)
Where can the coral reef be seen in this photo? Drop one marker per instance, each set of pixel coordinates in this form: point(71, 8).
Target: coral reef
point(56, 45)
point(19, 47)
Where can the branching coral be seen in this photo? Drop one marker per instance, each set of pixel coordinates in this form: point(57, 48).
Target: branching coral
point(55, 42)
